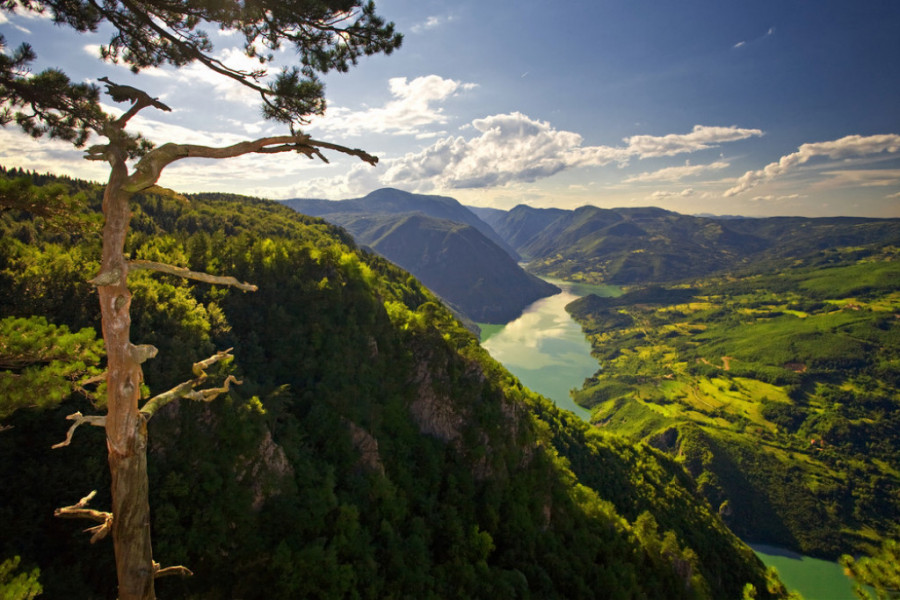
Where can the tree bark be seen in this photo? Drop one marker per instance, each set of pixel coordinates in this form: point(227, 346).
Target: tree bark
point(126, 428)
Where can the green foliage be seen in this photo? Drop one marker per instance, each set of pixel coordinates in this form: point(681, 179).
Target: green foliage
point(792, 379)
point(880, 571)
point(57, 208)
point(21, 586)
point(373, 450)
point(327, 35)
point(41, 363)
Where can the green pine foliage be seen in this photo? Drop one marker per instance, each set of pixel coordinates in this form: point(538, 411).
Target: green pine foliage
point(41, 363)
point(372, 450)
point(18, 586)
point(880, 572)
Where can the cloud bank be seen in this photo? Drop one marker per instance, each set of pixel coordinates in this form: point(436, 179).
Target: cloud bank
point(851, 146)
point(701, 138)
point(511, 148)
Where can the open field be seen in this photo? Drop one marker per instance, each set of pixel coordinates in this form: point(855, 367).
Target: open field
point(776, 391)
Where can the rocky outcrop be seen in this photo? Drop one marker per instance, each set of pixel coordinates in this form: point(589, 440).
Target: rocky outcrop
point(265, 469)
point(432, 411)
point(367, 446)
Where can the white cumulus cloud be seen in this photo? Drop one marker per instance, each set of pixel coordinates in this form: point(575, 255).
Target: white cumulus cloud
point(516, 148)
point(850, 146)
point(700, 138)
point(509, 147)
point(414, 105)
point(676, 173)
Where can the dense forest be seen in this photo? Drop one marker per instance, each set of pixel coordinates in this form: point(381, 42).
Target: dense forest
point(777, 389)
point(372, 449)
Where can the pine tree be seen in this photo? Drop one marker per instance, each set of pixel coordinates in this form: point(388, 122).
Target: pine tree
point(18, 586)
point(880, 571)
point(326, 35)
point(42, 363)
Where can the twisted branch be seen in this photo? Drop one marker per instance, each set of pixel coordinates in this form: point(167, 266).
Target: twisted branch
point(95, 420)
point(178, 570)
point(78, 511)
point(188, 274)
point(187, 389)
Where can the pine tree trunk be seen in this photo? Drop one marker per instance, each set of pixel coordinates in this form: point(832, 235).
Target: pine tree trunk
point(126, 428)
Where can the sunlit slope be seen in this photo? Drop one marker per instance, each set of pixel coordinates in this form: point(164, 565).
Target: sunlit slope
point(778, 392)
point(372, 450)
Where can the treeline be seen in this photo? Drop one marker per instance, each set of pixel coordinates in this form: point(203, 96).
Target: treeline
point(372, 450)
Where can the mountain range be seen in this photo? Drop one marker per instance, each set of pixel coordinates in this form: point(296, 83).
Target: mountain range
point(453, 252)
point(629, 246)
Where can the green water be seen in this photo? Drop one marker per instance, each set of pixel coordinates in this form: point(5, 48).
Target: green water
point(814, 578)
point(548, 352)
point(545, 348)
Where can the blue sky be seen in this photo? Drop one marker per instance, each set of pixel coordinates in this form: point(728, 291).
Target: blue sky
point(751, 107)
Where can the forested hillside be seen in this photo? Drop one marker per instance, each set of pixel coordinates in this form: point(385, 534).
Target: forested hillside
point(778, 391)
point(454, 260)
point(371, 450)
point(636, 246)
point(444, 244)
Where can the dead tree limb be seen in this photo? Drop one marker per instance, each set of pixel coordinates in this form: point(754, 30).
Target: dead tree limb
point(95, 420)
point(188, 389)
point(188, 274)
point(177, 570)
point(79, 511)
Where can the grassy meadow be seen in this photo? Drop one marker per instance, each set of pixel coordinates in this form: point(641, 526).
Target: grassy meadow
point(779, 392)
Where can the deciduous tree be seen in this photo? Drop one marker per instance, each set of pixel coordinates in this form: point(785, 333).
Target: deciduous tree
point(326, 35)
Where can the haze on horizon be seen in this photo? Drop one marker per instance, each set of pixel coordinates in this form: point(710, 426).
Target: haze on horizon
point(755, 109)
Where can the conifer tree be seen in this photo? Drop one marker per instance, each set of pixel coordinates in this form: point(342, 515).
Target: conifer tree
point(325, 34)
point(42, 363)
point(880, 571)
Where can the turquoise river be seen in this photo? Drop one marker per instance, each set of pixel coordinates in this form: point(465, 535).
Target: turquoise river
point(548, 352)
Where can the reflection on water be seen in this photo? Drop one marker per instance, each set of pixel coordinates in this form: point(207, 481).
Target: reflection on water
point(814, 578)
point(546, 349)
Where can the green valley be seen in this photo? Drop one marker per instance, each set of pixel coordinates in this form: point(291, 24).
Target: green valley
point(777, 390)
point(372, 449)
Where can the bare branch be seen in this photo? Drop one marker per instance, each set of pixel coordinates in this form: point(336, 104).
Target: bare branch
point(78, 511)
point(188, 389)
point(210, 394)
point(163, 191)
point(148, 170)
point(177, 570)
point(199, 368)
point(188, 274)
point(95, 420)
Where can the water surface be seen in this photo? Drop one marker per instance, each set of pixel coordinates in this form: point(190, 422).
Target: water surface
point(545, 348)
point(814, 578)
